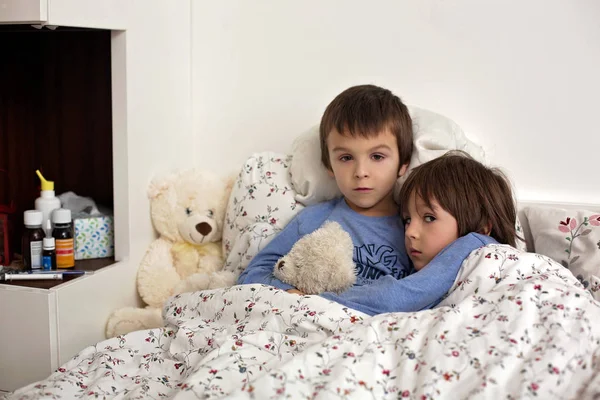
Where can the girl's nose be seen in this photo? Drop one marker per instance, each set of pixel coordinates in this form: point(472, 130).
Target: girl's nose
point(411, 231)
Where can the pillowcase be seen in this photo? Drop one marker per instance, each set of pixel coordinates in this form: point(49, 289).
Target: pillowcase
point(310, 178)
point(572, 238)
point(260, 205)
point(434, 135)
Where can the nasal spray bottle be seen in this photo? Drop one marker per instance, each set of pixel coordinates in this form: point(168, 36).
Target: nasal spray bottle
point(47, 202)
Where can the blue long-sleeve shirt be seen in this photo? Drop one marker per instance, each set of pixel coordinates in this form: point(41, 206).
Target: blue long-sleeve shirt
point(378, 244)
point(419, 291)
point(379, 253)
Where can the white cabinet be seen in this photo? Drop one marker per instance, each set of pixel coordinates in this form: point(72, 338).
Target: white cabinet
point(23, 11)
point(152, 132)
point(41, 329)
point(101, 14)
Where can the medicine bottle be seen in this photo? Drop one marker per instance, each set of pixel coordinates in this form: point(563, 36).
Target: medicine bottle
point(32, 239)
point(63, 233)
point(48, 254)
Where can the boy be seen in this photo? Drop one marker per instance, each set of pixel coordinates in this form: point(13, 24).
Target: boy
point(366, 144)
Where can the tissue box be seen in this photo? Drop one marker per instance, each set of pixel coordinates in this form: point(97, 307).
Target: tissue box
point(94, 236)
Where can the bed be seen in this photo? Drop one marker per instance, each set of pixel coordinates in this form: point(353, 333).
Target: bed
point(515, 324)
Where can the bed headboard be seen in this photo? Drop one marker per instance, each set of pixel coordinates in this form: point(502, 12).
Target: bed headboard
point(521, 205)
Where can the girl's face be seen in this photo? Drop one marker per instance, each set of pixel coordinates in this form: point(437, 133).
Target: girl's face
point(427, 230)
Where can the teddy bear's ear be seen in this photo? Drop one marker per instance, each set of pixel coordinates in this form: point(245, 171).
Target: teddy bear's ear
point(159, 185)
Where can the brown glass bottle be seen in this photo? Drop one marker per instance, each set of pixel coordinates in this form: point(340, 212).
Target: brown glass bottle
point(63, 235)
point(31, 242)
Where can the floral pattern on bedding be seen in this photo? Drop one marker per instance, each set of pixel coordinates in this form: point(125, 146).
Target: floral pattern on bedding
point(514, 325)
point(571, 237)
point(261, 203)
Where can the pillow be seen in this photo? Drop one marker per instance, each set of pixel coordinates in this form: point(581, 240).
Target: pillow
point(310, 178)
point(434, 135)
point(572, 238)
point(260, 205)
point(520, 244)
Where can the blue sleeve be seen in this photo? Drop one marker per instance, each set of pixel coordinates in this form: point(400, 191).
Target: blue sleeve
point(419, 291)
point(260, 269)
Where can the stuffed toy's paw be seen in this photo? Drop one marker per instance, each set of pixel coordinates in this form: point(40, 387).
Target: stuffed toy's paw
point(131, 319)
point(319, 262)
point(192, 283)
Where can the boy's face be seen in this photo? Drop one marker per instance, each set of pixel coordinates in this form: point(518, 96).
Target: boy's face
point(427, 230)
point(365, 170)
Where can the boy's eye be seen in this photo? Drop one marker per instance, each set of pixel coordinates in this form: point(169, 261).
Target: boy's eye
point(377, 157)
point(345, 158)
point(188, 211)
point(429, 218)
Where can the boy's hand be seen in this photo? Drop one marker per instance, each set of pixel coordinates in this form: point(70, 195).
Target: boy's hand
point(295, 291)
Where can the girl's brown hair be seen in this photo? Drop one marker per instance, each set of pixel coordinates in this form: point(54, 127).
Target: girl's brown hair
point(476, 196)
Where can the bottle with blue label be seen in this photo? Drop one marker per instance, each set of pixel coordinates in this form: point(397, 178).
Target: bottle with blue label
point(48, 251)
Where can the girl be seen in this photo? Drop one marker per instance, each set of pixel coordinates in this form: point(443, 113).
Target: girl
point(450, 197)
point(451, 206)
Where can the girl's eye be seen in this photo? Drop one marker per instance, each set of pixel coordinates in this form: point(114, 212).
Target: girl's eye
point(429, 218)
point(345, 158)
point(188, 211)
point(406, 221)
point(211, 213)
point(377, 157)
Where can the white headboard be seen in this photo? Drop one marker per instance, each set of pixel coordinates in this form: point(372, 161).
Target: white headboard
point(521, 205)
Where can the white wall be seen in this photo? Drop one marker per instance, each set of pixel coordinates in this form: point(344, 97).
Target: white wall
point(521, 78)
point(158, 104)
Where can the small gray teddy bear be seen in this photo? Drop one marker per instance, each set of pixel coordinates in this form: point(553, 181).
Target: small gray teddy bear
point(320, 261)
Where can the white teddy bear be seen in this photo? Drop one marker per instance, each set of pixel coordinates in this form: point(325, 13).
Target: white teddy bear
point(320, 261)
point(187, 210)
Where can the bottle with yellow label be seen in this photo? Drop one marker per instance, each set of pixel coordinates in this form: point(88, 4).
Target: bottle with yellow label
point(63, 235)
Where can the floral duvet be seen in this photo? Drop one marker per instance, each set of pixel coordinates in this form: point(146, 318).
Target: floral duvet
point(514, 325)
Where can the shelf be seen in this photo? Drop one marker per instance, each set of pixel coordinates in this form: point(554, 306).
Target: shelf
point(92, 265)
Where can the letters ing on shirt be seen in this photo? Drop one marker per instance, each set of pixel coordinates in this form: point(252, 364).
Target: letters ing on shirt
point(374, 261)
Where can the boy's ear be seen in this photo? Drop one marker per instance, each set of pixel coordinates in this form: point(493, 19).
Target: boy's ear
point(402, 170)
point(330, 172)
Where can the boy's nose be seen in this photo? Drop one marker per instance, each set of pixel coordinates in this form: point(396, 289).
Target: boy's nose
point(361, 172)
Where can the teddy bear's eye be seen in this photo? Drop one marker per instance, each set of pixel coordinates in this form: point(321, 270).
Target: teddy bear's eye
point(188, 211)
point(211, 213)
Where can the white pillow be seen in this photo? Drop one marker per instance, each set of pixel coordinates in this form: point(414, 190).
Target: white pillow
point(570, 237)
point(260, 205)
point(434, 134)
point(310, 178)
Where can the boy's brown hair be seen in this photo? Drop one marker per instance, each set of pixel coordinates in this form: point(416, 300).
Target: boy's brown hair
point(475, 195)
point(367, 110)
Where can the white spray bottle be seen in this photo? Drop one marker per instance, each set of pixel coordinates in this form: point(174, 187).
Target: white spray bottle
point(47, 202)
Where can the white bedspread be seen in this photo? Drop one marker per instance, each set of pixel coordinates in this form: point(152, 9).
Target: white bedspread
point(515, 325)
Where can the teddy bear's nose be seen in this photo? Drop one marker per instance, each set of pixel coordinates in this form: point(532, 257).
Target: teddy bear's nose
point(281, 264)
point(203, 228)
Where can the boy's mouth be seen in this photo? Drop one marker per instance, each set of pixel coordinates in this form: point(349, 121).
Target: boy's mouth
point(363, 189)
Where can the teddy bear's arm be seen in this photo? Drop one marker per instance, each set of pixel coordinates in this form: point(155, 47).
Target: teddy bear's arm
point(156, 275)
point(185, 259)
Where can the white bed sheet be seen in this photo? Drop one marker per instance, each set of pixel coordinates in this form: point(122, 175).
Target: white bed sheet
point(515, 325)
